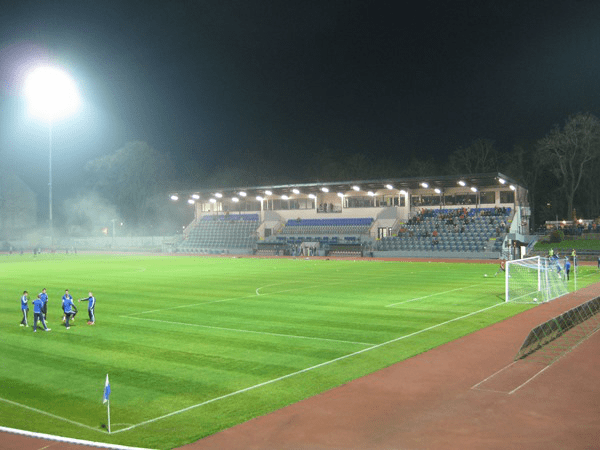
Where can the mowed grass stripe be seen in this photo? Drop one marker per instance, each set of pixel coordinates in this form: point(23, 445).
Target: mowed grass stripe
point(169, 367)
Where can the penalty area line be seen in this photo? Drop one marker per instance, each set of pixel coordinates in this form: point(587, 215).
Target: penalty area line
point(432, 295)
point(308, 369)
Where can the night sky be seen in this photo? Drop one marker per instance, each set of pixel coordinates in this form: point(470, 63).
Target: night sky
point(219, 81)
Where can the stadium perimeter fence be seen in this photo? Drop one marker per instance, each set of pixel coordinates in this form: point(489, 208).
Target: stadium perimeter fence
point(565, 325)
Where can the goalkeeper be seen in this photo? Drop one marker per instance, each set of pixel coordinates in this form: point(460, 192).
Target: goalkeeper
point(501, 268)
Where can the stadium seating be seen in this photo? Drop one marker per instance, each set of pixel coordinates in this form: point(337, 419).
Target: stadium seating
point(477, 231)
point(215, 234)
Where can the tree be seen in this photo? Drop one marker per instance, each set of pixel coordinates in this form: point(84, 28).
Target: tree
point(131, 178)
point(567, 151)
point(479, 157)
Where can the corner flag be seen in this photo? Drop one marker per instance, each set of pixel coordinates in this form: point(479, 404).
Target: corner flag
point(106, 390)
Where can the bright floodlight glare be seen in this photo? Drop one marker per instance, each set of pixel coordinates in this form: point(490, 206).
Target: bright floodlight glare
point(502, 180)
point(243, 194)
point(371, 194)
point(218, 195)
point(191, 201)
point(268, 193)
point(259, 198)
point(389, 186)
point(356, 188)
point(235, 199)
point(425, 185)
point(340, 194)
point(313, 196)
point(462, 183)
point(296, 191)
point(51, 93)
point(213, 200)
point(174, 197)
point(324, 189)
point(437, 191)
point(473, 189)
point(512, 188)
point(195, 196)
point(403, 192)
point(284, 197)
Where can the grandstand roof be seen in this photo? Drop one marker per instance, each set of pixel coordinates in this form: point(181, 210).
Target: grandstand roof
point(479, 181)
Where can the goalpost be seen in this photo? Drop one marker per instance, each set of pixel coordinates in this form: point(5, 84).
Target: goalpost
point(534, 279)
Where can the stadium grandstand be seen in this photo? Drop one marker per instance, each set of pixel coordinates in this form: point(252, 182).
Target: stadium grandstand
point(474, 216)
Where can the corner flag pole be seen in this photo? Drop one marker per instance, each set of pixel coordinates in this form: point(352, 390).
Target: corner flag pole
point(106, 399)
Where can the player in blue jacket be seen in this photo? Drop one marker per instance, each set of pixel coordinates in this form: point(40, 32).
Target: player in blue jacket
point(44, 297)
point(68, 297)
point(38, 304)
point(68, 308)
point(24, 308)
point(567, 267)
point(91, 307)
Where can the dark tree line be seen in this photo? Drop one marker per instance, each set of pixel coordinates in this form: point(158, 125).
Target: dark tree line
point(560, 170)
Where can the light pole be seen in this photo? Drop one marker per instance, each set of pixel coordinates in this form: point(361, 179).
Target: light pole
point(51, 95)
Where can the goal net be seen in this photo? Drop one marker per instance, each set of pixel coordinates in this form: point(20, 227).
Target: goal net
point(535, 279)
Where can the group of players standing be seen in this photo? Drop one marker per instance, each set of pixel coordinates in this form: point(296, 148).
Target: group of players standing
point(40, 309)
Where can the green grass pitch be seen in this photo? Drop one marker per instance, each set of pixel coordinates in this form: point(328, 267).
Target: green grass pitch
point(196, 345)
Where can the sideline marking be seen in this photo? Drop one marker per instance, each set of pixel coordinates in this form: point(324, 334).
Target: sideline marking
point(308, 369)
point(238, 330)
point(66, 440)
point(432, 295)
point(491, 376)
point(10, 402)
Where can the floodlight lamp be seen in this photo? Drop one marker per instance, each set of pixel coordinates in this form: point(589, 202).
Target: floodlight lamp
point(501, 180)
point(403, 192)
point(389, 186)
point(174, 197)
point(473, 189)
point(296, 191)
point(340, 194)
point(51, 93)
point(195, 196)
point(324, 189)
point(235, 199)
point(213, 200)
point(462, 183)
point(285, 197)
point(268, 193)
point(512, 188)
point(312, 196)
point(218, 195)
point(371, 194)
point(425, 185)
point(356, 188)
point(243, 194)
point(259, 198)
point(191, 201)
point(437, 191)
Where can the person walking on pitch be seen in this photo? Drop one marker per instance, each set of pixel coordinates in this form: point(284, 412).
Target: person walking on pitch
point(44, 297)
point(91, 307)
point(24, 308)
point(68, 308)
point(38, 314)
point(68, 296)
point(501, 268)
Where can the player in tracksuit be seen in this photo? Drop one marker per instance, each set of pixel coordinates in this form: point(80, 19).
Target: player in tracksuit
point(68, 297)
point(44, 297)
point(24, 308)
point(38, 304)
point(68, 308)
point(91, 307)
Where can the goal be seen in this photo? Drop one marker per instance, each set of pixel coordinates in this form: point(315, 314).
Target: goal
point(534, 279)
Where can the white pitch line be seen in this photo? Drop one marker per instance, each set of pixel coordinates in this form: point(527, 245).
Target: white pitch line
point(50, 415)
point(432, 295)
point(237, 330)
point(308, 369)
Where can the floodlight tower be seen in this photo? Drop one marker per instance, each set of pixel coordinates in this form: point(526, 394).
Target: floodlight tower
point(51, 95)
